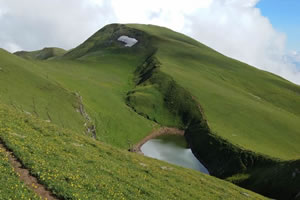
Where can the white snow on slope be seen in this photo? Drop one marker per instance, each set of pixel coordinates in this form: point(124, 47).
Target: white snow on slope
point(129, 42)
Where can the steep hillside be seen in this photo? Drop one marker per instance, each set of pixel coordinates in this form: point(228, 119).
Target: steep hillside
point(249, 107)
point(11, 186)
point(73, 166)
point(183, 71)
point(102, 77)
point(36, 95)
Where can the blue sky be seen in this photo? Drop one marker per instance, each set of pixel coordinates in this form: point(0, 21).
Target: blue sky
point(285, 17)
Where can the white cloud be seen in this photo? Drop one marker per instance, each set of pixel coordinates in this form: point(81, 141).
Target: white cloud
point(234, 27)
point(164, 13)
point(34, 24)
point(237, 29)
point(295, 56)
point(12, 47)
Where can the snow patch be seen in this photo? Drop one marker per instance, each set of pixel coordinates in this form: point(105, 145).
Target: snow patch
point(129, 42)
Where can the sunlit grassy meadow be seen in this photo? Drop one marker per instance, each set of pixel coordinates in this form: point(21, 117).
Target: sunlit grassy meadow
point(74, 166)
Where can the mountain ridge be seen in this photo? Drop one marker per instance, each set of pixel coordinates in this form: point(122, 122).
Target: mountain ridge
point(43, 54)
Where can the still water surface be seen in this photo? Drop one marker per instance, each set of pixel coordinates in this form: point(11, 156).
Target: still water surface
point(172, 149)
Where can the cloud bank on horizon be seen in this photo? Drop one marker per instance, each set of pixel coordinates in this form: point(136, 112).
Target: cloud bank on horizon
point(235, 28)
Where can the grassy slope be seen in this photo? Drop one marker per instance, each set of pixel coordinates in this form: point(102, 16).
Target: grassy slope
point(74, 166)
point(193, 66)
point(35, 94)
point(101, 70)
point(249, 107)
point(103, 86)
point(102, 75)
point(13, 187)
point(43, 54)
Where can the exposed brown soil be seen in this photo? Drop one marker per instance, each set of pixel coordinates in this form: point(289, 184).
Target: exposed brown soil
point(26, 177)
point(158, 132)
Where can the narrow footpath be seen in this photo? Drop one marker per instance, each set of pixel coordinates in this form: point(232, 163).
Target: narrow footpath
point(26, 177)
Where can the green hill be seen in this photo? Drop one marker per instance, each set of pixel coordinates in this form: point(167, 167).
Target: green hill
point(249, 107)
point(35, 94)
point(242, 123)
point(74, 166)
point(43, 54)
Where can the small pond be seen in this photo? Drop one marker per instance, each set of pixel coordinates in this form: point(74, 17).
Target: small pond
point(172, 149)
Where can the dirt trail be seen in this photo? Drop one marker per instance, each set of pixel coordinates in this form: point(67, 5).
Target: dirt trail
point(155, 133)
point(25, 176)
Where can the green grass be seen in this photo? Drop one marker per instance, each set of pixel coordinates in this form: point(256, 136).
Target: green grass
point(74, 166)
point(246, 106)
point(35, 94)
point(103, 85)
point(43, 54)
point(103, 75)
point(216, 99)
point(249, 107)
point(236, 117)
point(148, 98)
point(11, 187)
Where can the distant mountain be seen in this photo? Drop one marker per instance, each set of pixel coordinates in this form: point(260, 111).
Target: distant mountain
point(43, 54)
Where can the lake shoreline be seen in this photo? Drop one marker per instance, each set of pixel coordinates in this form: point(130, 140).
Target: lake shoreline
point(155, 133)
